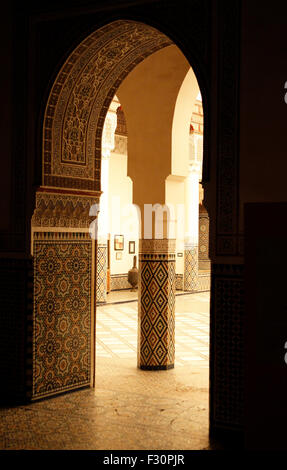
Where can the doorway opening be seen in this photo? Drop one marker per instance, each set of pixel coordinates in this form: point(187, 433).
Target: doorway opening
point(125, 73)
point(117, 310)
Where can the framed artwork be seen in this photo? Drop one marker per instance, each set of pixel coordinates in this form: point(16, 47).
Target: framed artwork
point(119, 242)
point(119, 255)
point(132, 247)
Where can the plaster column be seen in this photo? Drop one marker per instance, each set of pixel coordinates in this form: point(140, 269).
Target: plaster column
point(108, 144)
point(191, 227)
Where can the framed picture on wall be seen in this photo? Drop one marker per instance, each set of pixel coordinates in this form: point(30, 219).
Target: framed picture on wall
point(119, 255)
point(119, 242)
point(132, 247)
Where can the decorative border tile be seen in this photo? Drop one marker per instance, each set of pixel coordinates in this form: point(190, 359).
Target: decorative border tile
point(227, 212)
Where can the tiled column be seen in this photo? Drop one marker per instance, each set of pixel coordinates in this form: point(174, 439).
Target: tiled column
point(192, 217)
point(156, 304)
point(190, 267)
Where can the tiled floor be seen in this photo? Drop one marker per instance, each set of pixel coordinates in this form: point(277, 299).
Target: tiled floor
point(129, 408)
point(117, 328)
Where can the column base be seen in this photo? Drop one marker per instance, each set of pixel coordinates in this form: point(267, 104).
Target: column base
point(167, 367)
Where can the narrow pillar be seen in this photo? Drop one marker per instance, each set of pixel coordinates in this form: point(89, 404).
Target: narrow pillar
point(156, 308)
point(190, 267)
point(191, 226)
point(101, 274)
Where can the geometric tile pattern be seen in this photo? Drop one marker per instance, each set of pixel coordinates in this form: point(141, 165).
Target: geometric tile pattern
point(62, 312)
point(190, 268)
point(101, 277)
point(80, 96)
point(157, 303)
point(203, 281)
point(119, 282)
point(227, 345)
point(203, 284)
point(203, 241)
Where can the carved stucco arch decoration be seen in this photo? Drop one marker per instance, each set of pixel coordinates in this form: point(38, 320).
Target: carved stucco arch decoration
point(80, 97)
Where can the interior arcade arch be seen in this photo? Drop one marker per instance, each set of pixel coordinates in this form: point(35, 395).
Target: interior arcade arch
point(130, 59)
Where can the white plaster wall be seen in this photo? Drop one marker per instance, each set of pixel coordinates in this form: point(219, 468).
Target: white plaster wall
point(123, 218)
point(174, 190)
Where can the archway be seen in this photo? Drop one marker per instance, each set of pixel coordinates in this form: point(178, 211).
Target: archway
point(64, 253)
point(116, 317)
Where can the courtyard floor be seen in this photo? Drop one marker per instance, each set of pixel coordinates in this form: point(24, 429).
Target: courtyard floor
point(129, 409)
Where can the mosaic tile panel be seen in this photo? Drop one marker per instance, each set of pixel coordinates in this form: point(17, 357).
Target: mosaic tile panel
point(203, 282)
point(191, 268)
point(179, 281)
point(156, 304)
point(101, 278)
point(81, 95)
point(62, 312)
point(203, 242)
point(120, 282)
